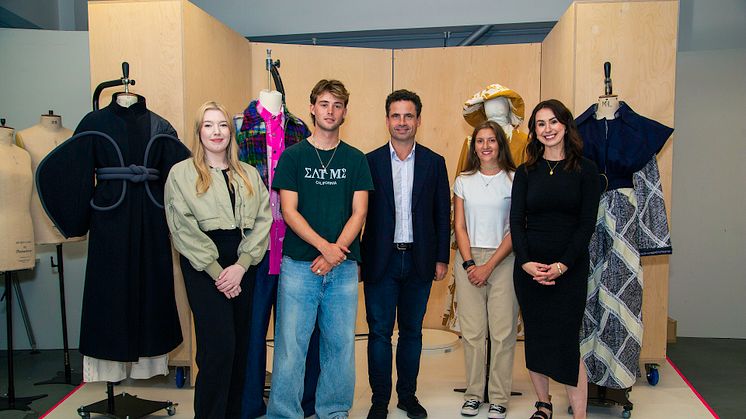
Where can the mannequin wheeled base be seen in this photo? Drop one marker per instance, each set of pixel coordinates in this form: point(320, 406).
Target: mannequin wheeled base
point(601, 396)
point(125, 406)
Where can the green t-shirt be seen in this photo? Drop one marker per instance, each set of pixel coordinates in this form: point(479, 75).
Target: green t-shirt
point(324, 196)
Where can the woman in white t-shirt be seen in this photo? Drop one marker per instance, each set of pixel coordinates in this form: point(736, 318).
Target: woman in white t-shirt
point(484, 269)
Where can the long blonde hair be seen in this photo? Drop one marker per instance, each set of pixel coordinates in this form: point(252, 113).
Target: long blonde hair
point(198, 151)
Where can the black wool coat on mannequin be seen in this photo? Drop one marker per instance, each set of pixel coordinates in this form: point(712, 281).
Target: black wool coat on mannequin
point(129, 308)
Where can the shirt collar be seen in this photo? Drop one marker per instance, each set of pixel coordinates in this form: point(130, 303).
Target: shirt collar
point(395, 157)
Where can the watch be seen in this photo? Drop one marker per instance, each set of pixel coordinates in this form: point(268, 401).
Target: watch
point(468, 263)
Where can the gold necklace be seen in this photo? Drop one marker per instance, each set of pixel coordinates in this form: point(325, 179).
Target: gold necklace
point(324, 166)
point(551, 168)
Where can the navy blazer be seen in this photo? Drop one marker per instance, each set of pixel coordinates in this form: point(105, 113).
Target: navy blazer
point(431, 214)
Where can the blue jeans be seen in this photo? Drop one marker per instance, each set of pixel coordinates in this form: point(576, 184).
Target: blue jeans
point(302, 297)
point(265, 297)
point(400, 294)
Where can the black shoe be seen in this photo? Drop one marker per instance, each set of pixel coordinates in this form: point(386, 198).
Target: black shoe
point(413, 408)
point(378, 411)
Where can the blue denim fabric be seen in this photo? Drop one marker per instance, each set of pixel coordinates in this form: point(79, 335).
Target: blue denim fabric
point(265, 297)
point(303, 296)
point(399, 295)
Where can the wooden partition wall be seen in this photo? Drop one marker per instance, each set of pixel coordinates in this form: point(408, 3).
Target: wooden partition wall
point(180, 57)
point(639, 39)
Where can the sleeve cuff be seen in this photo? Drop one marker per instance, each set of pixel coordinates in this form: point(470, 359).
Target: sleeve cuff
point(245, 260)
point(214, 269)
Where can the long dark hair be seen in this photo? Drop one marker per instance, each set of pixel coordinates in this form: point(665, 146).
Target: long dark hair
point(504, 161)
point(573, 143)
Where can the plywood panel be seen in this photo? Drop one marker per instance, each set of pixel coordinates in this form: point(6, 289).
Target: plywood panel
point(216, 65)
point(365, 72)
point(445, 78)
point(639, 39)
point(558, 61)
point(147, 35)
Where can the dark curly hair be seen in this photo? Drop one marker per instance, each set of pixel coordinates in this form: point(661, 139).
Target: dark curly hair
point(573, 143)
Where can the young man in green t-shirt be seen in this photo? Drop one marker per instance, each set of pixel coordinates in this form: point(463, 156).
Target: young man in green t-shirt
point(323, 184)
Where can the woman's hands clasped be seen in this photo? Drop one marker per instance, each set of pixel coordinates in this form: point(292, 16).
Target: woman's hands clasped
point(229, 280)
point(544, 274)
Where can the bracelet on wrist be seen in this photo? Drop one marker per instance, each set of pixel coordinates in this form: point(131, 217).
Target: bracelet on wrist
point(468, 263)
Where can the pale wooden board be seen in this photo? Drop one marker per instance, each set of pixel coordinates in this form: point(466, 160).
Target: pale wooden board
point(445, 78)
point(146, 34)
point(558, 61)
point(217, 66)
point(639, 39)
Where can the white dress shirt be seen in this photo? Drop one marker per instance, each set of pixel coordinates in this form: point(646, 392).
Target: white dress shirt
point(402, 174)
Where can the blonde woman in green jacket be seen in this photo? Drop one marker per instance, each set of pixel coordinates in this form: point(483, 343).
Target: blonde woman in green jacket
point(217, 209)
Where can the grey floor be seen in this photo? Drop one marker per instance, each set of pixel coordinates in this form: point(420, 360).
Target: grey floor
point(716, 368)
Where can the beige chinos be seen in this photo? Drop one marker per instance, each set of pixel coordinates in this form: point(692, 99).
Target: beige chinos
point(497, 302)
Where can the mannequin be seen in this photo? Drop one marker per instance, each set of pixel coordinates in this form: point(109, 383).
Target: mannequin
point(39, 140)
point(263, 132)
point(129, 310)
point(607, 107)
point(271, 100)
point(17, 249)
point(126, 99)
point(631, 224)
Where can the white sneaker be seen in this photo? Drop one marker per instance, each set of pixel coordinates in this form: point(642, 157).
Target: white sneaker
point(471, 407)
point(497, 412)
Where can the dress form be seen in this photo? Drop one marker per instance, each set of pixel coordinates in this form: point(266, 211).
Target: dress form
point(17, 250)
point(271, 100)
point(126, 100)
point(39, 140)
point(607, 107)
point(498, 110)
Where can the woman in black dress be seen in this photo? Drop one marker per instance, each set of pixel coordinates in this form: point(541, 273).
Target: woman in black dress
point(552, 217)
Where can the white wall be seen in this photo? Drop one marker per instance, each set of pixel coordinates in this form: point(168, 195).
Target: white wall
point(43, 70)
point(707, 280)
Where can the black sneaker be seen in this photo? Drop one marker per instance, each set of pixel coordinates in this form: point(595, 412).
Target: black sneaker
point(470, 407)
point(378, 411)
point(413, 408)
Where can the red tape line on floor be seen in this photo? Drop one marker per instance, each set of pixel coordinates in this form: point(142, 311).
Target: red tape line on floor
point(61, 401)
point(691, 387)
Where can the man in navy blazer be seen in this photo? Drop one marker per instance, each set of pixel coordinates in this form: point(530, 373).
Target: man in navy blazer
point(405, 246)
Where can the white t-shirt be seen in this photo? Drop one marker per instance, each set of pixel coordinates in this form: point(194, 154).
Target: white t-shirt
point(486, 207)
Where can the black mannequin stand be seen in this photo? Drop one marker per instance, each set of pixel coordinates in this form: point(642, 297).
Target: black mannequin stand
point(125, 406)
point(10, 401)
point(66, 376)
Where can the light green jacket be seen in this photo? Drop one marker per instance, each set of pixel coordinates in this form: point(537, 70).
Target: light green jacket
point(190, 215)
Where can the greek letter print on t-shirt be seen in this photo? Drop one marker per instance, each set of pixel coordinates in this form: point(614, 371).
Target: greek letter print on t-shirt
point(324, 177)
point(325, 182)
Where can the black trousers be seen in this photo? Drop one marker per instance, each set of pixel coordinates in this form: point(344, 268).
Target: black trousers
point(221, 326)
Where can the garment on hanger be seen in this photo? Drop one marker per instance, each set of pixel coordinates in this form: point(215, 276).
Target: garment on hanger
point(256, 140)
point(631, 223)
point(129, 308)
